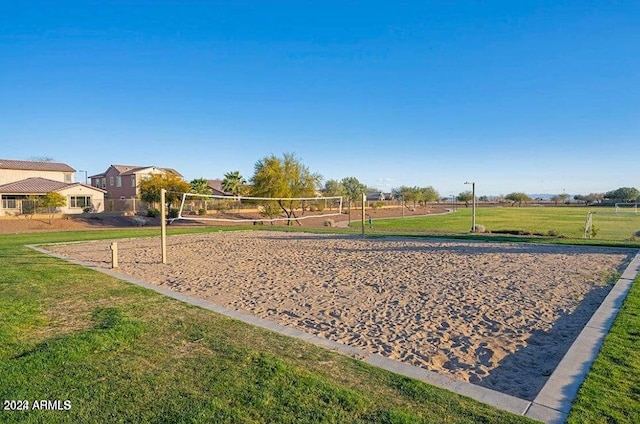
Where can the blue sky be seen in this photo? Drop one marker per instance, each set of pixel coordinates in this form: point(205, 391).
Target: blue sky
point(534, 96)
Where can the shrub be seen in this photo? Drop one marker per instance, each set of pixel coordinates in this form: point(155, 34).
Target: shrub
point(329, 223)
point(202, 211)
point(173, 213)
point(480, 229)
point(153, 213)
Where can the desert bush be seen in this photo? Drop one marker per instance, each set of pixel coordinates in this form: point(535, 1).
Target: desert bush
point(480, 229)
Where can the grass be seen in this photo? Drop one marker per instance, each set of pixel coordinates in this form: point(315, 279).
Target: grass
point(611, 391)
point(120, 353)
point(565, 222)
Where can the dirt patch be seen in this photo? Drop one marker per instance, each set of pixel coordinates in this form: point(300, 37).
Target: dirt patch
point(21, 224)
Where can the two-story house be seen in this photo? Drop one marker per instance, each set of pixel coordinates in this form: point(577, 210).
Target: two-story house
point(16, 170)
point(22, 183)
point(123, 181)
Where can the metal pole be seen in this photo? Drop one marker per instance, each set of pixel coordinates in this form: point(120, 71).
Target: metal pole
point(163, 224)
point(473, 209)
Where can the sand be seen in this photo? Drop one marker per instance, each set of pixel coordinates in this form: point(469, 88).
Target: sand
point(498, 315)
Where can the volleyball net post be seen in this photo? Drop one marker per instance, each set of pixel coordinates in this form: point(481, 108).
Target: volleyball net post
point(163, 224)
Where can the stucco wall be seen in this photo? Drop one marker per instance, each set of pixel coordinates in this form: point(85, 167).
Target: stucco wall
point(13, 175)
point(97, 198)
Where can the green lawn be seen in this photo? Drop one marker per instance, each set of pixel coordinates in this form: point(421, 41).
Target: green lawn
point(560, 221)
point(120, 353)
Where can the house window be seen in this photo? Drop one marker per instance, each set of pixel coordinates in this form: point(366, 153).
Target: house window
point(111, 181)
point(104, 182)
point(118, 181)
point(67, 178)
point(79, 201)
point(9, 202)
point(133, 181)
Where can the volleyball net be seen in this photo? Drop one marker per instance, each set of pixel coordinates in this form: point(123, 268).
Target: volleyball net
point(211, 207)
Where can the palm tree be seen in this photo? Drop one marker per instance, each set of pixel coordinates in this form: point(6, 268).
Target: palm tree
point(200, 186)
point(233, 183)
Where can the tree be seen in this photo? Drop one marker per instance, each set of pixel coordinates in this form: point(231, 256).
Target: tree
point(595, 197)
point(466, 197)
point(41, 159)
point(353, 190)
point(405, 193)
point(200, 186)
point(625, 194)
point(52, 201)
point(284, 177)
point(233, 183)
point(589, 198)
point(150, 187)
point(517, 197)
point(560, 198)
point(429, 194)
point(333, 188)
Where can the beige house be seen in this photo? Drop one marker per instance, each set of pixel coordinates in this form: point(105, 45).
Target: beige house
point(23, 182)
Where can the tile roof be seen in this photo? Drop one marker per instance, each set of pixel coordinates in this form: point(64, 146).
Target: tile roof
point(38, 186)
point(35, 166)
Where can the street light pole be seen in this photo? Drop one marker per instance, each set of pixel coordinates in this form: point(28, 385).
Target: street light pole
point(473, 205)
point(86, 179)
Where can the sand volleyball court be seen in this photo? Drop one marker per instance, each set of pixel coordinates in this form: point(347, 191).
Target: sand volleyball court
point(500, 315)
